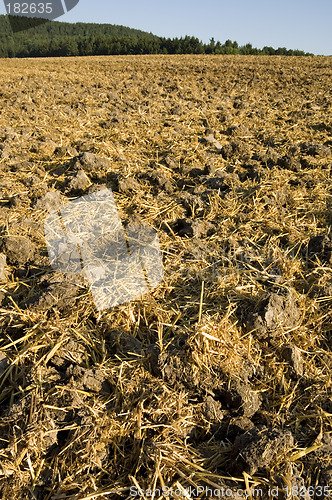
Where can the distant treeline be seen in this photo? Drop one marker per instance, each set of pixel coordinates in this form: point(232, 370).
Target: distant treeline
point(54, 38)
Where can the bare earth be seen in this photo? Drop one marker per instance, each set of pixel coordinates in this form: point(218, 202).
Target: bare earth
point(221, 376)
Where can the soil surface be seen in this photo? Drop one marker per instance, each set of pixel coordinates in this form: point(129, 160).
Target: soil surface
point(219, 377)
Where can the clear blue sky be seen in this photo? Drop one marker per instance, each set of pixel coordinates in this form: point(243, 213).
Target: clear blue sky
point(296, 24)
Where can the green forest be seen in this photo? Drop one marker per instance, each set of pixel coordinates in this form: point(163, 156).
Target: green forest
point(55, 38)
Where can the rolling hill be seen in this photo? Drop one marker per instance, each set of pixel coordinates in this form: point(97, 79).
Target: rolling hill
point(54, 38)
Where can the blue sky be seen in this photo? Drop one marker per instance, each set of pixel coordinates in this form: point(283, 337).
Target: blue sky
point(296, 24)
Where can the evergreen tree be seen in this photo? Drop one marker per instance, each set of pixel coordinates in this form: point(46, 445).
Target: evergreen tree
point(64, 39)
